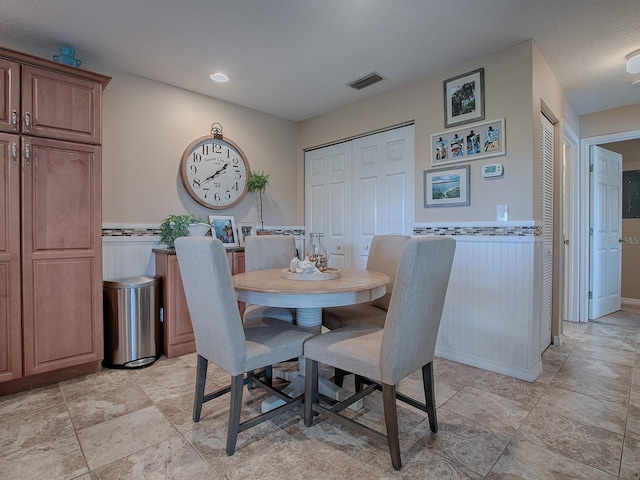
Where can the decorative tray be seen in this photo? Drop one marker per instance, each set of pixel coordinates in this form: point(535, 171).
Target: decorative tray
point(328, 274)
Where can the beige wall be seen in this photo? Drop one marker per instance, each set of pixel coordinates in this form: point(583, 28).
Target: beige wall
point(616, 120)
point(148, 125)
point(630, 151)
point(509, 82)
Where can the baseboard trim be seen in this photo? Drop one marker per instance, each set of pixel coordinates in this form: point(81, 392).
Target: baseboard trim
point(632, 302)
point(526, 374)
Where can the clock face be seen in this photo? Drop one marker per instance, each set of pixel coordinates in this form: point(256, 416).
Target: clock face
point(214, 172)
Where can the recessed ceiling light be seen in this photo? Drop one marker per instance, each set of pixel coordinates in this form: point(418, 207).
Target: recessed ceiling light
point(219, 77)
point(636, 82)
point(633, 62)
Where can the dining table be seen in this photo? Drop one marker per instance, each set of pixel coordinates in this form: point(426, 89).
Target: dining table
point(280, 288)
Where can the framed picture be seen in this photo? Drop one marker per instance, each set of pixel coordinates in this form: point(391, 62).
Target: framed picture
point(480, 140)
point(224, 229)
point(244, 230)
point(446, 187)
point(464, 98)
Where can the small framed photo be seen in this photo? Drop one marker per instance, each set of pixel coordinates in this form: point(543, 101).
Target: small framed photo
point(224, 229)
point(446, 187)
point(464, 98)
point(245, 230)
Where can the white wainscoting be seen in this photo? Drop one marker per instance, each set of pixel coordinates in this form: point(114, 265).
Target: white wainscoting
point(128, 256)
point(491, 317)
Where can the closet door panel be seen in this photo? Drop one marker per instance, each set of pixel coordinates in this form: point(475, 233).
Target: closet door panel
point(328, 206)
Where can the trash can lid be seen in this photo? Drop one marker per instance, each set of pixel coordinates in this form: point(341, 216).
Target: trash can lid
point(131, 282)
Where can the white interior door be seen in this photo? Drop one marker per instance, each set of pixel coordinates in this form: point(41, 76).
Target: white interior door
point(605, 232)
point(383, 187)
point(328, 200)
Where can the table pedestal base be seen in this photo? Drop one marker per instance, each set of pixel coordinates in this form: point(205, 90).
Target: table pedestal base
point(309, 319)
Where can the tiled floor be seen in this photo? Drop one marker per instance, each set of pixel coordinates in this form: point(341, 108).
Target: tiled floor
point(580, 419)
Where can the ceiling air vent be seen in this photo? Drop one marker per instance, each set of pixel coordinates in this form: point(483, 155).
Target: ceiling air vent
point(365, 81)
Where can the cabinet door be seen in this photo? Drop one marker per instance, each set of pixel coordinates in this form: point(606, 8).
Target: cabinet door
point(61, 255)
point(56, 105)
point(9, 96)
point(10, 320)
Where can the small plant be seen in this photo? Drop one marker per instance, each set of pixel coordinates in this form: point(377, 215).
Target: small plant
point(175, 226)
point(258, 182)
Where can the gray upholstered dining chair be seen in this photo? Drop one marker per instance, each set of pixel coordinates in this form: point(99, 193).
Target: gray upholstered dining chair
point(262, 252)
point(384, 256)
point(382, 356)
point(222, 338)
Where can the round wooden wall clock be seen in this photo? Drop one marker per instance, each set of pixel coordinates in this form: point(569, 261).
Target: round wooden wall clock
point(214, 170)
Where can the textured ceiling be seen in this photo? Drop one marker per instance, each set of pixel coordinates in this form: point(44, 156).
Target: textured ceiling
point(293, 58)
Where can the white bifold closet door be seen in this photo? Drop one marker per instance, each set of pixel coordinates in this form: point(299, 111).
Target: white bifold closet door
point(360, 188)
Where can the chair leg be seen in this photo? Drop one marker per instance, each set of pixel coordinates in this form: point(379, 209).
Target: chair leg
point(268, 375)
point(429, 395)
point(339, 377)
point(237, 382)
point(311, 395)
point(201, 378)
point(391, 421)
point(358, 383)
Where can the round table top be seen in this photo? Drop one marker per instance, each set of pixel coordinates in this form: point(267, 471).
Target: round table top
point(267, 287)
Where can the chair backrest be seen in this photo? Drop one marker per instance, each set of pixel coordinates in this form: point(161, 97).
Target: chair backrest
point(262, 252)
point(413, 318)
point(211, 298)
point(384, 256)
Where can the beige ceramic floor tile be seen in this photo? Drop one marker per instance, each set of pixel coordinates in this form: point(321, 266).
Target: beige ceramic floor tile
point(584, 409)
point(460, 440)
point(488, 409)
point(95, 384)
point(605, 353)
point(119, 437)
point(455, 374)
point(526, 393)
point(526, 460)
point(26, 402)
point(590, 445)
point(630, 468)
point(58, 457)
point(606, 380)
point(34, 428)
point(172, 459)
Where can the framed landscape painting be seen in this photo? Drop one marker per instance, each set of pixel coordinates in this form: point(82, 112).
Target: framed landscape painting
point(446, 187)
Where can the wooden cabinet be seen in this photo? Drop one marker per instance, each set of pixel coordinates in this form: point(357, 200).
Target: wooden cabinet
point(50, 221)
point(177, 331)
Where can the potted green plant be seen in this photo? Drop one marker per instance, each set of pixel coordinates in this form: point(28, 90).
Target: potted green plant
point(258, 182)
point(175, 226)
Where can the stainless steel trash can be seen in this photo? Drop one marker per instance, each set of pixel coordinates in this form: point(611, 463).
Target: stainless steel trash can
point(131, 322)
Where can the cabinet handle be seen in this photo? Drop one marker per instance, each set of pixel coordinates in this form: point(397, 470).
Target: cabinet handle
point(14, 153)
point(27, 121)
point(27, 154)
point(14, 119)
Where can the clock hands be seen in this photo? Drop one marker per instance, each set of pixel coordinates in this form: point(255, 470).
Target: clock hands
point(208, 179)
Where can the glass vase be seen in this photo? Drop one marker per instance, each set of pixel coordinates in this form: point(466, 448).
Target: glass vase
point(317, 252)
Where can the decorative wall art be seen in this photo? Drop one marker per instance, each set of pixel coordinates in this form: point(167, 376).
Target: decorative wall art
point(480, 140)
point(464, 98)
point(223, 228)
point(245, 230)
point(446, 187)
